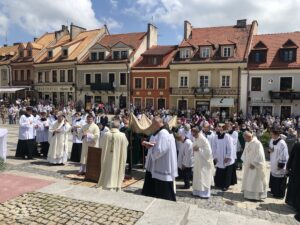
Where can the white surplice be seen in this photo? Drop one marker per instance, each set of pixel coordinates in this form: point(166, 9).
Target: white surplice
point(58, 149)
point(254, 183)
point(280, 154)
point(203, 167)
point(90, 140)
point(113, 160)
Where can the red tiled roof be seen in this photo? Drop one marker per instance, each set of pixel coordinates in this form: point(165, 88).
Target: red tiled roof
point(223, 35)
point(275, 42)
point(131, 39)
point(167, 52)
point(160, 50)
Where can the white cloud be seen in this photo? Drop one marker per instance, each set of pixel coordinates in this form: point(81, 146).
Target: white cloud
point(114, 3)
point(3, 24)
point(37, 17)
point(111, 23)
point(272, 15)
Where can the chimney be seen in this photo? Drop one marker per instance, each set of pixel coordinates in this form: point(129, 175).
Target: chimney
point(187, 30)
point(64, 31)
point(241, 23)
point(151, 35)
point(16, 43)
point(75, 30)
point(5, 45)
point(35, 38)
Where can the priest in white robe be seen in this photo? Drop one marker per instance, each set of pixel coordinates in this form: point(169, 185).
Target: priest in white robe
point(113, 158)
point(58, 139)
point(204, 169)
point(25, 145)
point(89, 134)
point(161, 163)
point(224, 158)
point(279, 156)
point(254, 180)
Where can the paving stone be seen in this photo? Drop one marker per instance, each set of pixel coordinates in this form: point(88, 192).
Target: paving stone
point(53, 216)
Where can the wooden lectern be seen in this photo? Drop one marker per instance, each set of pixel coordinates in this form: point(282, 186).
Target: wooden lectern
point(93, 164)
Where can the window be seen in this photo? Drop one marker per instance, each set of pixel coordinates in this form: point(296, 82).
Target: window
point(116, 55)
point(62, 76)
point(205, 52)
point(98, 78)
point(28, 74)
point(258, 56)
point(100, 55)
point(22, 75)
point(16, 75)
point(65, 52)
point(161, 103)
point(124, 54)
point(87, 79)
point(185, 53)
point(47, 78)
point(94, 56)
point(154, 61)
point(255, 110)
point(138, 83)
point(50, 54)
point(256, 84)
point(111, 78)
point(21, 53)
point(289, 55)
point(183, 82)
point(149, 83)
point(161, 83)
point(29, 54)
point(70, 75)
point(227, 52)
point(54, 75)
point(286, 83)
point(225, 82)
point(137, 102)
point(149, 102)
point(122, 78)
point(40, 77)
point(203, 81)
point(182, 104)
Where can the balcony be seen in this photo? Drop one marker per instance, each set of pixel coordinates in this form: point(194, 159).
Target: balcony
point(203, 91)
point(285, 95)
point(22, 82)
point(102, 87)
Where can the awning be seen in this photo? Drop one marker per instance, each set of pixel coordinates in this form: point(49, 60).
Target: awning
point(10, 90)
point(222, 102)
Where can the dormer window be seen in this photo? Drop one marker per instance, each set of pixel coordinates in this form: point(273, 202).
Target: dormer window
point(258, 56)
point(185, 53)
point(29, 53)
point(65, 52)
point(100, 55)
point(154, 60)
point(94, 56)
point(227, 51)
point(205, 52)
point(288, 55)
point(116, 55)
point(50, 54)
point(124, 54)
point(21, 53)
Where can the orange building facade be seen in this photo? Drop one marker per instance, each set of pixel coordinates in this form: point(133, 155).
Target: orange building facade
point(150, 78)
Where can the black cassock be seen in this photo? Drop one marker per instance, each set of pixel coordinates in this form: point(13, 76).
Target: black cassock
point(293, 166)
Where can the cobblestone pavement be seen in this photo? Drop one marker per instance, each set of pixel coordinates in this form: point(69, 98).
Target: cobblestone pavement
point(39, 208)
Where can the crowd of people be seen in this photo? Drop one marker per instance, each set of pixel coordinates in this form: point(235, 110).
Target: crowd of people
point(202, 150)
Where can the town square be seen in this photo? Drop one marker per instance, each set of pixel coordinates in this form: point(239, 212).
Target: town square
point(137, 112)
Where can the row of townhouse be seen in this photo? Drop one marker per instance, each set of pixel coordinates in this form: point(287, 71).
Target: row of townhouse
point(226, 68)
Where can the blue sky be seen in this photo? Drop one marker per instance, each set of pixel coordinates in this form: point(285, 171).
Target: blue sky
point(21, 20)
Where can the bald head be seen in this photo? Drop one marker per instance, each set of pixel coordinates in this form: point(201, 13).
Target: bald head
point(157, 122)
